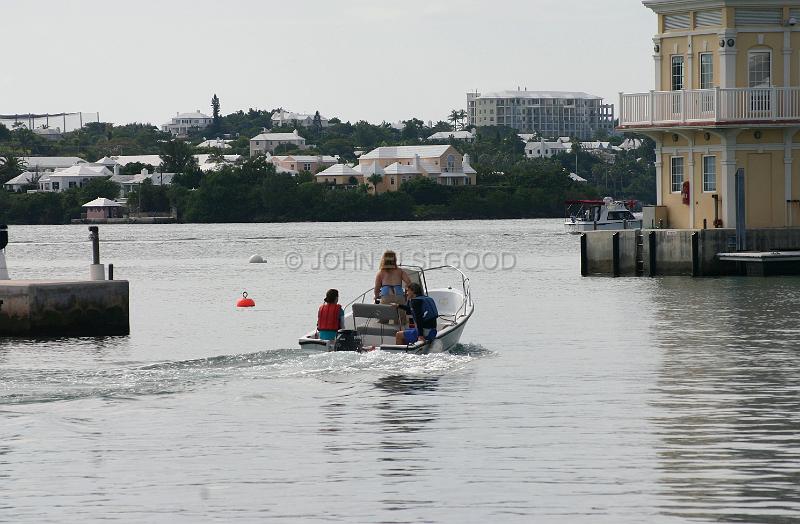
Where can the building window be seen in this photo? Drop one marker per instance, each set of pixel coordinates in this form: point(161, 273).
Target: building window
point(677, 174)
point(677, 73)
point(706, 71)
point(56, 186)
point(451, 163)
point(759, 73)
point(307, 167)
point(760, 69)
point(709, 174)
point(72, 184)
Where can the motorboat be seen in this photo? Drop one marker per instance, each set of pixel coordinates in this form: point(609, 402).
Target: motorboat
point(373, 326)
point(600, 215)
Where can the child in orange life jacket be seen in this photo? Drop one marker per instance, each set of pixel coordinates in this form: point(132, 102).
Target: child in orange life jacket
point(330, 318)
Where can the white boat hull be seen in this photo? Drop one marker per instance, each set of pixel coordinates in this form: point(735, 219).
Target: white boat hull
point(582, 227)
point(455, 309)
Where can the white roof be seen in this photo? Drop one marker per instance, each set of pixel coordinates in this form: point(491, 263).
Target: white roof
point(84, 170)
point(158, 179)
point(540, 94)
point(457, 135)
point(196, 114)
point(102, 202)
point(153, 160)
point(400, 169)
point(21, 179)
point(405, 152)
point(339, 170)
point(309, 158)
point(206, 163)
point(50, 162)
point(577, 178)
point(288, 115)
point(218, 143)
point(278, 136)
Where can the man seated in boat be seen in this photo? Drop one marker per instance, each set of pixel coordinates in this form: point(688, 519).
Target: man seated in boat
point(422, 309)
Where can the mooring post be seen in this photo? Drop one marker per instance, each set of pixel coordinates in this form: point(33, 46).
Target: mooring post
point(584, 256)
point(651, 241)
point(111, 271)
point(695, 255)
point(96, 270)
point(3, 244)
point(94, 236)
point(615, 254)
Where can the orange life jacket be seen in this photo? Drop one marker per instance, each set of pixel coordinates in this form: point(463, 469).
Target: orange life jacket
point(328, 317)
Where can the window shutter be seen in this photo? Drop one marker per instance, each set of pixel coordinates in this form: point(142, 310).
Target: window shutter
point(676, 22)
point(712, 18)
point(746, 17)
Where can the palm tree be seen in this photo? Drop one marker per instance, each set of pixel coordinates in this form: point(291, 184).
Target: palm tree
point(10, 166)
point(454, 118)
point(462, 115)
point(375, 179)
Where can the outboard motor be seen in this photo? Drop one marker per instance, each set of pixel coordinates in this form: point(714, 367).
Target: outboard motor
point(348, 340)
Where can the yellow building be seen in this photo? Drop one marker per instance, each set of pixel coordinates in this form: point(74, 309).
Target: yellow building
point(727, 77)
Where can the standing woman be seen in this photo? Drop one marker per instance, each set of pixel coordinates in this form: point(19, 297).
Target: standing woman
point(390, 278)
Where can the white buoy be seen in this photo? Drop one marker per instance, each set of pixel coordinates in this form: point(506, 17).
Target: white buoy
point(3, 268)
point(257, 259)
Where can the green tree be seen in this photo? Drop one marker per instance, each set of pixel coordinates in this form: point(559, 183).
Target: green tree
point(317, 123)
point(216, 121)
point(177, 156)
point(10, 166)
point(375, 179)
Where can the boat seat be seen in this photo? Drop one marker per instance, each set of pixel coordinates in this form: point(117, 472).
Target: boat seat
point(380, 312)
point(381, 315)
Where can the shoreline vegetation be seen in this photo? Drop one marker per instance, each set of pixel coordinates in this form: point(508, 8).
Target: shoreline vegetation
point(509, 185)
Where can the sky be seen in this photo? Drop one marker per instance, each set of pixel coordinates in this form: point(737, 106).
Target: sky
point(374, 60)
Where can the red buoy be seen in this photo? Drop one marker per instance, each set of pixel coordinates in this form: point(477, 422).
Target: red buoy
point(245, 302)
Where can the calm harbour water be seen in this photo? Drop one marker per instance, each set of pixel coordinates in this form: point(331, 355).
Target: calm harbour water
point(571, 400)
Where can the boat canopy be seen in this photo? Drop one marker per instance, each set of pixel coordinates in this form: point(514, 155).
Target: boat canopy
point(628, 203)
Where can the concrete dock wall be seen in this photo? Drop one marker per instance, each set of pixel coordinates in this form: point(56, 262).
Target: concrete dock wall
point(42, 308)
point(684, 252)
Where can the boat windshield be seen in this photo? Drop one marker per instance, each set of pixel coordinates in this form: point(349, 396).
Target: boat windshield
point(620, 215)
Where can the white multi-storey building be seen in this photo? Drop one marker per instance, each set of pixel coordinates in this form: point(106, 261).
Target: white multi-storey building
point(547, 113)
point(288, 118)
point(182, 123)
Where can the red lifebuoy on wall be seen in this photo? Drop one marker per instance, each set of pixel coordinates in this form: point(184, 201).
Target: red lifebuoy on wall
point(685, 193)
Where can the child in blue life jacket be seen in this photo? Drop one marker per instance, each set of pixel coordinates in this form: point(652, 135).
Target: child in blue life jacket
point(330, 317)
point(424, 313)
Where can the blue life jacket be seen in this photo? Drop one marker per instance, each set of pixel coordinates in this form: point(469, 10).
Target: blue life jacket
point(425, 312)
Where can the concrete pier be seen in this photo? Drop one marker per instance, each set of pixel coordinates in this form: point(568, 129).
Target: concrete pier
point(81, 308)
point(687, 252)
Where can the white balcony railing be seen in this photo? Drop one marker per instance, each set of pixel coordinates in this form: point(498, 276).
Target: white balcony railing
point(710, 106)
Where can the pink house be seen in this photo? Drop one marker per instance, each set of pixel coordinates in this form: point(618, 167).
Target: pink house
point(102, 208)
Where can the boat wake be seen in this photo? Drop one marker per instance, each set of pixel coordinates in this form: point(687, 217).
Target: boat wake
point(131, 380)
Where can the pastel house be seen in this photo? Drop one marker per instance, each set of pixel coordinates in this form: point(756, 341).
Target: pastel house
point(102, 208)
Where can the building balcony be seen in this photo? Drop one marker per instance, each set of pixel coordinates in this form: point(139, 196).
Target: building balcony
point(711, 107)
